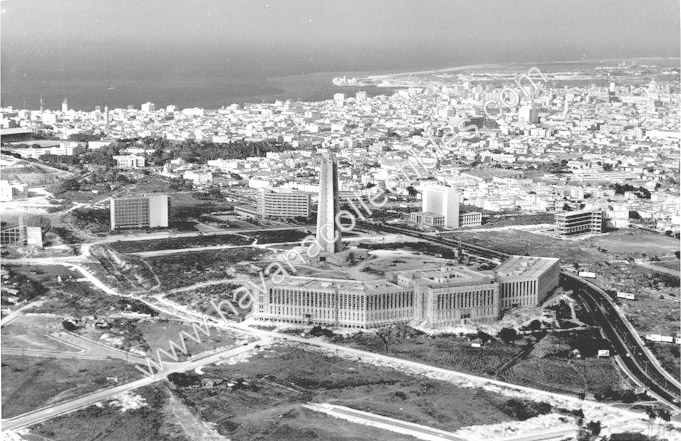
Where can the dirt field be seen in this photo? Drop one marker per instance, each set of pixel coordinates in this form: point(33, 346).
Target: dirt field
point(29, 332)
point(34, 174)
point(261, 399)
point(29, 382)
point(157, 335)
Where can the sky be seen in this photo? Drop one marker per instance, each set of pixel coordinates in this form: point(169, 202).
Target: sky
point(270, 37)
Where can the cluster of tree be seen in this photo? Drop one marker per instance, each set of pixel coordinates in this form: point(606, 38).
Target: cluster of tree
point(201, 152)
point(641, 192)
point(27, 288)
point(522, 410)
point(81, 157)
point(85, 137)
point(93, 219)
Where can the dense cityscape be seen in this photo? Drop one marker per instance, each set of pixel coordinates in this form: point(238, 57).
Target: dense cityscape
point(479, 252)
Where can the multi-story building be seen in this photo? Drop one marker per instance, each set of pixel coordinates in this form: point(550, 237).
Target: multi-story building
point(335, 302)
point(140, 212)
point(569, 223)
point(129, 161)
point(450, 296)
point(282, 203)
point(428, 219)
point(526, 281)
point(471, 219)
point(435, 298)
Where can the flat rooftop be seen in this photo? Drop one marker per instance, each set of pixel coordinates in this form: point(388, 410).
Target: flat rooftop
point(343, 285)
point(525, 266)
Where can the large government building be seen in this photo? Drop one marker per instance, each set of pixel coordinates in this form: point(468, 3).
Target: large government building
point(434, 298)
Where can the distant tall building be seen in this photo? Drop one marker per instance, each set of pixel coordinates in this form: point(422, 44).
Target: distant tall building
point(339, 99)
point(328, 233)
point(148, 107)
point(443, 201)
point(65, 105)
point(361, 95)
point(140, 212)
point(528, 114)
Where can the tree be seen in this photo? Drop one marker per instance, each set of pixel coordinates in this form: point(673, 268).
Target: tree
point(594, 427)
point(508, 335)
point(651, 418)
point(70, 185)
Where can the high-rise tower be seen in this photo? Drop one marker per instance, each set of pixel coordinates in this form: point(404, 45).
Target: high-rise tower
point(328, 233)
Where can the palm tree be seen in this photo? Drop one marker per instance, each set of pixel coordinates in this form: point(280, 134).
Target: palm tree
point(651, 417)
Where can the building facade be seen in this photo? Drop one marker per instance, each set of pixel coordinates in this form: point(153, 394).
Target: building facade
point(129, 161)
point(526, 281)
point(140, 212)
point(433, 298)
point(570, 223)
point(428, 219)
point(471, 219)
point(282, 203)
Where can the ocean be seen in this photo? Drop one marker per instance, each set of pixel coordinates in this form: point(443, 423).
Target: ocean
point(85, 91)
point(210, 89)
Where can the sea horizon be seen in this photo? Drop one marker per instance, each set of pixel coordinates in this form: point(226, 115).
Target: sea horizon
point(85, 91)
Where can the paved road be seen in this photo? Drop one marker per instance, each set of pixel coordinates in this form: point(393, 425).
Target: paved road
point(9, 318)
point(49, 412)
point(394, 425)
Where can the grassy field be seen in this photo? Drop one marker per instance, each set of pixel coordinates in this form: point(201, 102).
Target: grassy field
point(278, 236)
point(199, 299)
point(668, 356)
point(77, 299)
point(29, 383)
point(263, 237)
point(185, 269)
point(572, 377)
point(154, 421)
point(608, 247)
point(179, 243)
point(261, 399)
point(550, 352)
point(450, 352)
point(651, 314)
